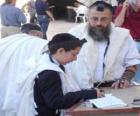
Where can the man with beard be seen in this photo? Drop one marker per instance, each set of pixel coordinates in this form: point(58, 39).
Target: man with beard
point(109, 57)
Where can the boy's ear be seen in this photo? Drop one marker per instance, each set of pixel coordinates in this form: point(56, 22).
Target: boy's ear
point(60, 50)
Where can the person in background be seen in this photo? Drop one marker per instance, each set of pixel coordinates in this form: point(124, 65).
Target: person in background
point(15, 50)
point(26, 12)
point(109, 57)
point(124, 14)
point(32, 11)
point(11, 18)
point(127, 15)
point(32, 29)
point(43, 15)
point(53, 90)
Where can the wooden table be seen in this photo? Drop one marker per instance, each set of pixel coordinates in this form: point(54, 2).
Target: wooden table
point(127, 95)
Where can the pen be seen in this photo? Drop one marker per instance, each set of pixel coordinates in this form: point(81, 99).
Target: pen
point(99, 84)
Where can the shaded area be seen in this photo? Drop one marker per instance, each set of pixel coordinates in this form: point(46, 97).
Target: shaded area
point(60, 10)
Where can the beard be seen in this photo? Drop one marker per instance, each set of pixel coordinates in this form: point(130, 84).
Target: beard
point(99, 33)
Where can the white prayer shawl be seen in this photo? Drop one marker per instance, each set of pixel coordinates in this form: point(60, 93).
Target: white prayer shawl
point(83, 69)
point(14, 51)
point(36, 65)
point(21, 61)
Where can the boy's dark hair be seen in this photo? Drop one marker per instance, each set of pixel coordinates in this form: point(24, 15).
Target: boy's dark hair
point(66, 41)
point(26, 28)
point(101, 6)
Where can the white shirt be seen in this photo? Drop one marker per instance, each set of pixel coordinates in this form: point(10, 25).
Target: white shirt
point(99, 70)
point(122, 52)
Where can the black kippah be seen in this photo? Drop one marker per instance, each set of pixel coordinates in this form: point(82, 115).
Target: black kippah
point(28, 27)
point(101, 5)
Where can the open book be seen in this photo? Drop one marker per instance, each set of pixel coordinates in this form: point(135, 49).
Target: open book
point(109, 101)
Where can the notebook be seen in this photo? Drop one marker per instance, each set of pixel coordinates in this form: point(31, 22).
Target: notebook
point(108, 102)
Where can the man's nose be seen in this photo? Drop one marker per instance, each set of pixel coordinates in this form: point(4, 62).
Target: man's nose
point(99, 23)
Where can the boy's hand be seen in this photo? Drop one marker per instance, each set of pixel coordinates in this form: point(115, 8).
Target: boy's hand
point(100, 93)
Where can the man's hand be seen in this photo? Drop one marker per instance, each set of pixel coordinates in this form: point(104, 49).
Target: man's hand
point(126, 78)
point(125, 5)
point(122, 83)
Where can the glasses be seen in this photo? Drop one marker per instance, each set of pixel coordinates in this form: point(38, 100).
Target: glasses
point(102, 19)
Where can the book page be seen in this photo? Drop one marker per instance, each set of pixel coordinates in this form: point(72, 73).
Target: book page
point(109, 101)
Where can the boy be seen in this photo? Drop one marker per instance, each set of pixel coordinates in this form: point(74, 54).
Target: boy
point(53, 90)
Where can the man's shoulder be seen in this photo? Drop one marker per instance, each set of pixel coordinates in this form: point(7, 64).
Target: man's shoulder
point(13, 8)
point(120, 29)
point(120, 33)
point(18, 9)
point(82, 25)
